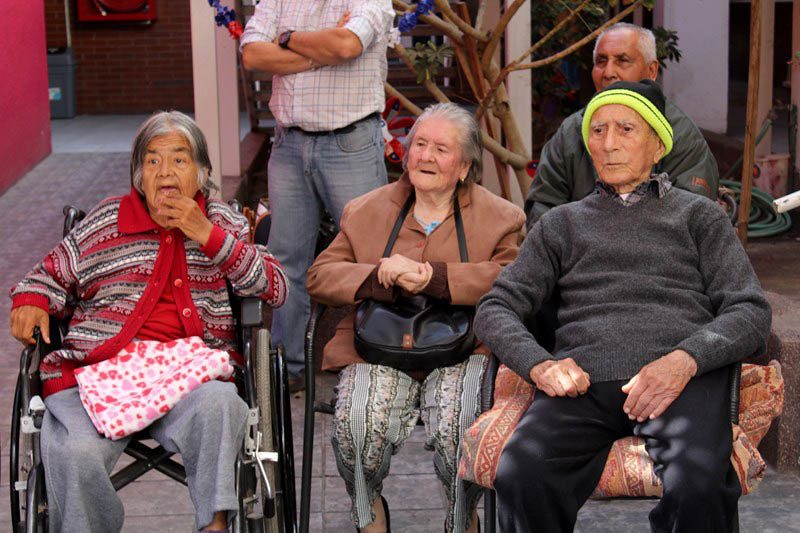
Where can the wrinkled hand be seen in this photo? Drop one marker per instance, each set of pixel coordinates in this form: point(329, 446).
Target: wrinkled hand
point(657, 385)
point(343, 20)
point(183, 213)
point(25, 318)
point(414, 282)
point(560, 378)
point(393, 267)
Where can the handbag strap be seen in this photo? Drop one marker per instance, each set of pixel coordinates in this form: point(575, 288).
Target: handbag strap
point(462, 240)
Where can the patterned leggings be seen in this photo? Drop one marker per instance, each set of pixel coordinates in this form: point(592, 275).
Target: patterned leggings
point(376, 411)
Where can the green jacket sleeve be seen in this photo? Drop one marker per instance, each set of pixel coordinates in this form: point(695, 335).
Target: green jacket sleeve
point(690, 165)
point(550, 186)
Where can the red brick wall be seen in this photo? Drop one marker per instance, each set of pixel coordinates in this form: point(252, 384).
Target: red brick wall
point(129, 68)
point(24, 105)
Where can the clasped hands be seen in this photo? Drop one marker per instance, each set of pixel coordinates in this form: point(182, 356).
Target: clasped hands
point(650, 392)
point(405, 273)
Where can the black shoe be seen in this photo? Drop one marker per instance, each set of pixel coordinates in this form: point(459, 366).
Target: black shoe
point(297, 382)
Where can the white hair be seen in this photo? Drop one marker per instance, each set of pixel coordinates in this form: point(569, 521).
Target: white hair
point(469, 141)
point(164, 123)
point(647, 41)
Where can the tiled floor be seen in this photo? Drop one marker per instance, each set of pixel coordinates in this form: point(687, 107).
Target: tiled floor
point(30, 220)
point(104, 133)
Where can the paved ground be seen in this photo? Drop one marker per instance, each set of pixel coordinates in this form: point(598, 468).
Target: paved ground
point(30, 220)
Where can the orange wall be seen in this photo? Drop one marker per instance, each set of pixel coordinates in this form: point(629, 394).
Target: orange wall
point(24, 104)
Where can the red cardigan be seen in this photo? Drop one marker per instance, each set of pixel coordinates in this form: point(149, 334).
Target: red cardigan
point(117, 262)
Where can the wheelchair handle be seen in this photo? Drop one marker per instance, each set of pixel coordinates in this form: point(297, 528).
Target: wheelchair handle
point(72, 215)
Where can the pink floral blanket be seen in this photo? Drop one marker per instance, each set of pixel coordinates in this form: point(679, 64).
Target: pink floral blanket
point(139, 385)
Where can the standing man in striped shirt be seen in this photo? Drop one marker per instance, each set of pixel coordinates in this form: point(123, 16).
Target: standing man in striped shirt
point(328, 58)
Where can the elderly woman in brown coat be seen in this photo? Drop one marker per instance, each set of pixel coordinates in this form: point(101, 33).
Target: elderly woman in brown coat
point(378, 406)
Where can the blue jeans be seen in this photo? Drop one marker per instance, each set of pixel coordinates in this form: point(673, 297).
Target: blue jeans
point(306, 174)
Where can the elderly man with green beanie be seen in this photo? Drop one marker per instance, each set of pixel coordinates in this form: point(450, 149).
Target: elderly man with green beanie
point(656, 300)
point(623, 52)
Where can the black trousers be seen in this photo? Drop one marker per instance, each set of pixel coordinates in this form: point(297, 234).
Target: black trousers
point(554, 459)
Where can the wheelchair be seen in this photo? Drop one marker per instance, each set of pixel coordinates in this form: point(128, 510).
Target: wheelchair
point(264, 477)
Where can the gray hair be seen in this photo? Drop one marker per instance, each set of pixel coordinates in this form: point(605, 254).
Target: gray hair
point(647, 41)
point(469, 141)
point(164, 123)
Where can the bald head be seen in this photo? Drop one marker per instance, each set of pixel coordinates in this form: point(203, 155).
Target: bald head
point(624, 52)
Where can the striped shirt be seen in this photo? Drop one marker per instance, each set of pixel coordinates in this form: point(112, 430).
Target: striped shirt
point(328, 97)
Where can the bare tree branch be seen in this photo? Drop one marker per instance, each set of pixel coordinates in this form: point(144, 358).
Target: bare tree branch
point(567, 51)
point(481, 13)
point(505, 155)
point(499, 30)
point(405, 102)
point(530, 51)
point(452, 16)
point(495, 83)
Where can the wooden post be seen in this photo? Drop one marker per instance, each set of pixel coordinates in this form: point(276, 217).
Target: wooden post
point(765, 74)
point(750, 126)
point(518, 39)
point(216, 104)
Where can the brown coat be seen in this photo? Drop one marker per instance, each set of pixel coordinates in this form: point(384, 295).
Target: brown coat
point(493, 228)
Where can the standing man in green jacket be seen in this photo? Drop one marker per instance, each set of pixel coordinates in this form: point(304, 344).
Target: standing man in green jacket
point(624, 52)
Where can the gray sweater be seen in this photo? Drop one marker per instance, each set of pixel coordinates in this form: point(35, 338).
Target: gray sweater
point(635, 283)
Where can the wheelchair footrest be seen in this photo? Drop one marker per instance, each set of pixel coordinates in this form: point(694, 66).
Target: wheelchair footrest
point(268, 456)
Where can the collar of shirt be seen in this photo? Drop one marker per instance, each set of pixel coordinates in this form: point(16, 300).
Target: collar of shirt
point(657, 186)
point(133, 216)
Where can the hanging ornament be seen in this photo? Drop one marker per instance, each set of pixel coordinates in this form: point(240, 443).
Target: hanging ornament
point(226, 17)
point(409, 21)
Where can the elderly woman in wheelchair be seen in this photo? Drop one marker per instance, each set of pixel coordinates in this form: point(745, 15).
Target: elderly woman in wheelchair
point(148, 274)
point(448, 239)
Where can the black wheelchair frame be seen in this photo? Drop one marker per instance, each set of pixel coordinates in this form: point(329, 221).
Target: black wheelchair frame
point(265, 482)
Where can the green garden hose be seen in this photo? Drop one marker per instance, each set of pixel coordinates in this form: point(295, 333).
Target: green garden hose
point(763, 221)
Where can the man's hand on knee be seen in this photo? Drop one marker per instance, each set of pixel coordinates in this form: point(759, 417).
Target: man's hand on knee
point(657, 385)
point(560, 378)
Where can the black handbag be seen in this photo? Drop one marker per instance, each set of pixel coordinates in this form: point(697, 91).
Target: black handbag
point(415, 332)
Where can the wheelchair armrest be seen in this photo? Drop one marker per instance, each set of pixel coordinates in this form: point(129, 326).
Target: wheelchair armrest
point(734, 382)
point(251, 312)
point(487, 384)
point(72, 215)
point(317, 310)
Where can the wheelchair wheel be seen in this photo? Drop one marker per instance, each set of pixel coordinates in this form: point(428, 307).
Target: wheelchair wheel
point(36, 512)
point(265, 426)
point(29, 504)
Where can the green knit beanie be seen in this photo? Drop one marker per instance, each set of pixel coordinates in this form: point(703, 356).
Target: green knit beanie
point(644, 97)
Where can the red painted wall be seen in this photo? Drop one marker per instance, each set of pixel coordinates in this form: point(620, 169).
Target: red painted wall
point(129, 68)
point(24, 104)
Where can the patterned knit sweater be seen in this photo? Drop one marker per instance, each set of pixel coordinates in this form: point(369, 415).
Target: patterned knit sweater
point(117, 261)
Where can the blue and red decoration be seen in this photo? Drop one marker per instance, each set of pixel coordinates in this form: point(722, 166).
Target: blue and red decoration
point(226, 17)
point(409, 21)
